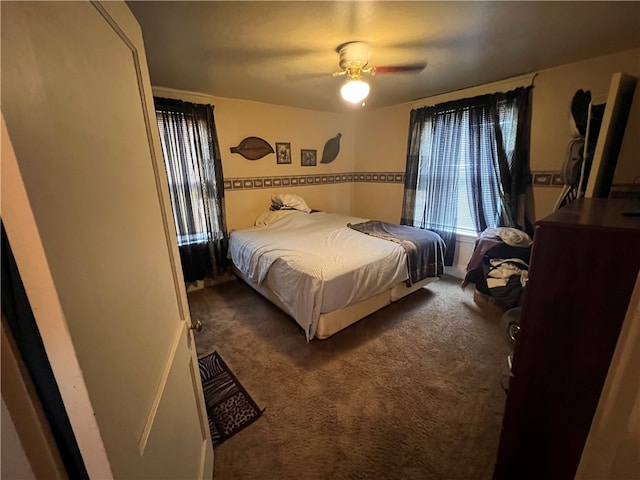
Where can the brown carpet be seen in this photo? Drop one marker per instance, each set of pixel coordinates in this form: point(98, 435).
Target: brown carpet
point(410, 392)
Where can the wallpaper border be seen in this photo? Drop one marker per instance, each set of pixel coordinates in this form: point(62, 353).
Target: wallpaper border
point(540, 179)
point(248, 183)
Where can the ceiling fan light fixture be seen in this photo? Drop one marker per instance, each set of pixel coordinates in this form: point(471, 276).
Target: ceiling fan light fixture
point(355, 90)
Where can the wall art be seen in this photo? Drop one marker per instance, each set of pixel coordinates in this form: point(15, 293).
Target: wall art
point(253, 148)
point(331, 149)
point(308, 158)
point(283, 153)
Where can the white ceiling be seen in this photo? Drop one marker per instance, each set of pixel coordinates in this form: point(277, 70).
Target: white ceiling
point(263, 50)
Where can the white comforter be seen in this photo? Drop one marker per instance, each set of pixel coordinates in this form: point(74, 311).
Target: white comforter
point(315, 264)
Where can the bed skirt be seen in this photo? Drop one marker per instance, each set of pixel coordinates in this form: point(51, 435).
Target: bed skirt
point(330, 323)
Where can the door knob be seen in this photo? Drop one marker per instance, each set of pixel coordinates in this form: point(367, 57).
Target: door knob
point(196, 326)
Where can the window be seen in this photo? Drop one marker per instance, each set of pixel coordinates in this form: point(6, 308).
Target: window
point(465, 171)
point(194, 174)
point(454, 172)
point(184, 175)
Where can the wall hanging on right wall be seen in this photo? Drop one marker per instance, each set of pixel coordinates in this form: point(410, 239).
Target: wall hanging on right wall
point(331, 149)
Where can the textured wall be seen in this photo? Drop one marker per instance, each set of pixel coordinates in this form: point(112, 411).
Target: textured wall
point(374, 142)
point(381, 135)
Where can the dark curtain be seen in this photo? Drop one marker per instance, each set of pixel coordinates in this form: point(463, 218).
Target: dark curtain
point(521, 201)
point(22, 324)
point(487, 163)
point(194, 171)
point(499, 177)
point(430, 179)
point(476, 133)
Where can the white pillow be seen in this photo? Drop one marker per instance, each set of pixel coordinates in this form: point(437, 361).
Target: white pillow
point(270, 216)
point(288, 200)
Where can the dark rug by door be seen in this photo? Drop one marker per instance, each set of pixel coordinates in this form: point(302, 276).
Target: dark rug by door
point(229, 406)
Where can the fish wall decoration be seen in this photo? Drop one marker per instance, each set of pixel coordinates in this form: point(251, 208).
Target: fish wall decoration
point(253, 148)
point(331, 149)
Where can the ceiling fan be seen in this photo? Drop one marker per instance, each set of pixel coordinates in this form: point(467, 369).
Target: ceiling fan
point(354, 62)
point(354, 57)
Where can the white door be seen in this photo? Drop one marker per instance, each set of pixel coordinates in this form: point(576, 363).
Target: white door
point(85, 206)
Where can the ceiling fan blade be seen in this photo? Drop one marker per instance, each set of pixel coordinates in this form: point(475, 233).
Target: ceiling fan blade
point(416, 68)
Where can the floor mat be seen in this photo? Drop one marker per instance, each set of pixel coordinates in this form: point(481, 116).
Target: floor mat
point(229, 407)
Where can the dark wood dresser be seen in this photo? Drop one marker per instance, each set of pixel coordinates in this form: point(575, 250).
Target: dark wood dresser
point(583, 269)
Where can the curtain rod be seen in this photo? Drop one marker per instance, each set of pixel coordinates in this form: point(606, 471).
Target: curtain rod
point(174, 93)
point(519, 78)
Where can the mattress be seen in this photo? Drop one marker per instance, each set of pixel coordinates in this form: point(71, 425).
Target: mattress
point(312, 264)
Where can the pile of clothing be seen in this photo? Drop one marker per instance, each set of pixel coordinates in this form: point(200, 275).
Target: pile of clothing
point(499, 265)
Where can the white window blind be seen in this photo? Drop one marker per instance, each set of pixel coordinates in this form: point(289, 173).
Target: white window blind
point(425, 199)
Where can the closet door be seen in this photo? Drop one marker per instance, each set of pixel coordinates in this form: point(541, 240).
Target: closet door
point(85, 205)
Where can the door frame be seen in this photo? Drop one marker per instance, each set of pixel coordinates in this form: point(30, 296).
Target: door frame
point(28, 249)
point(22, 231)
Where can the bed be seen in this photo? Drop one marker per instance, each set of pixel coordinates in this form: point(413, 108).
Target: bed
point(322, 271)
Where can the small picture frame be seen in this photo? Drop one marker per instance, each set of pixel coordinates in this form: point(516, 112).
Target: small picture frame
point(283, 153)
point(308, 158)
